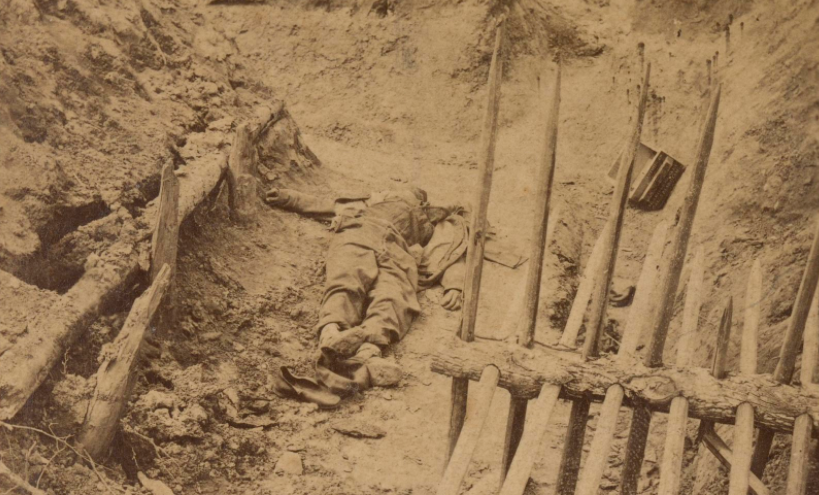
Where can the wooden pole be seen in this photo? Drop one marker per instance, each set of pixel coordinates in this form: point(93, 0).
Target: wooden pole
point(465, 447)
point(584, 290)
point(521, 467)
point(164, 242)
point(537, 250)
point(477, 234)
point(593, 472)
point(115, 378)
point(641, 307)
point(790, 346)
point(722, 452)
point(803, 428)
point(671, 466)
point(667, 288)
point(744, 426)
point(243, 196)
point(573, 447)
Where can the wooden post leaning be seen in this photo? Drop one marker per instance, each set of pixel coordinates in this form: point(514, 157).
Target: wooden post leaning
point(790, 346)
point(667, 290)
point(477, 235)
point(516, 417)
point(115, 378)
point(744, 425)
point(671, 465)
point(242, 181)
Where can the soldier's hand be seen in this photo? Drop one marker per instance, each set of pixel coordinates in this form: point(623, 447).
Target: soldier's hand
point(453, 299)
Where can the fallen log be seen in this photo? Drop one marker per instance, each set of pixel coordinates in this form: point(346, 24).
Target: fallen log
point(24, 366)
point(523, 373)
point(115, 378)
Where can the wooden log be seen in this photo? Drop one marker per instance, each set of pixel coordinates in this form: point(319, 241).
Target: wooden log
point(790, 346)
point(641, 306)
point(243, 184)
point(115, 378)
point(671, 465)
point(516, 416)
point(803, 428)
point(465, 447)
point(477, 233)
point(593, 473)
point(722, 452)
point(25, 366)
point(532, 442)
point(670, 274)
point(744, 425)
point(584, 290)
point(524, 372)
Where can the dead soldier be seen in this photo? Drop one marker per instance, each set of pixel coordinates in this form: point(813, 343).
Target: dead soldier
point(384, 248)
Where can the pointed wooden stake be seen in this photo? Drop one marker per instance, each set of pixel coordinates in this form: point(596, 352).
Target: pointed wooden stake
point(477, 234)
point(667, 290)
point(465, 447)
point(790, 346)
point(803, 428)
point(584, 290)
point(722, 452)
point(671, 466)
point(744, 425)
point(537, 250)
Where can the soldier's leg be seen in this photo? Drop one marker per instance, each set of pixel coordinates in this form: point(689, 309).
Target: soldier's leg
point(351, 270)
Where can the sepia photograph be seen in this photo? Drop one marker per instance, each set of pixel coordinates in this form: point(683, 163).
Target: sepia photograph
point(409, 247)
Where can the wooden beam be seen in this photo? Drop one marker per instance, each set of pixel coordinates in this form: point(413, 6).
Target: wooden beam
point(477, 233)
point(671, 465)
point(523, 373)
point(516, 416)
point(25, 366)
point(116, 378)
point(465, 447)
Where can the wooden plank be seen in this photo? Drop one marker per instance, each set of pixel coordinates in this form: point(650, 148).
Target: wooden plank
point(532, 442)
point(115, 378)
point(477, 233)
point(744, 425)
point(674, 449)
point(790, 346)
point(473, 426)
point(537, 250)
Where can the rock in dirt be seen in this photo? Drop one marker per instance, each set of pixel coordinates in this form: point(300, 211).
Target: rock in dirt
point(289, 463)
point(154, 486)
point(383, 372)
point(357, 428)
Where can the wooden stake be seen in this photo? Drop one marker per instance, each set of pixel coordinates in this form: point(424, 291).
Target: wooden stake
point(610, 240)
point(592, 472)
point(641, 306)
point(537, 250)
point(670, 274)
point(477, 234)
point(803, 428)
point(165, 239)
point(722, 452)
point(115, 378)
point(790, 346)
point(465, 447)
point(584, 290)
point(671, 466)
point(524, 459)
point(744, 425)
point(243, 197)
